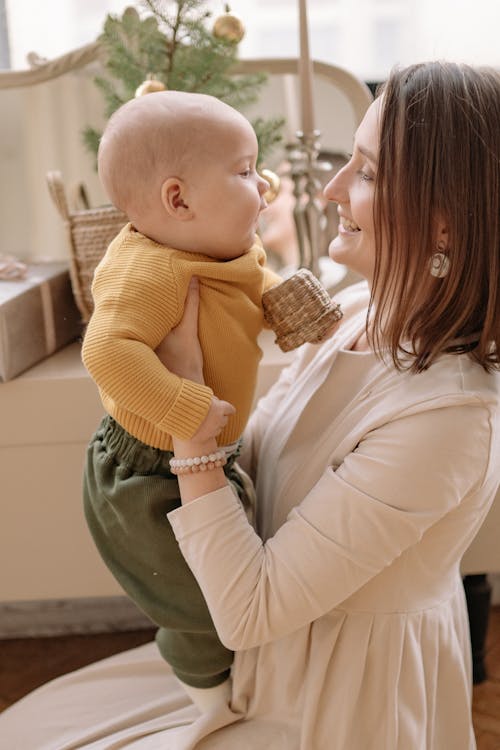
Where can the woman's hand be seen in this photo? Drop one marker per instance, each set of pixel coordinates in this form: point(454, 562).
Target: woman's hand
point(181, 353)
point(180, 350)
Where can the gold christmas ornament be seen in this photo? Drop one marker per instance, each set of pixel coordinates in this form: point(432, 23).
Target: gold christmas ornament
point(274, 184)
point(229, 27)
point(149, 86)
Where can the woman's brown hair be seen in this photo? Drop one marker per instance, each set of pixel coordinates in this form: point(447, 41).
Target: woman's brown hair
point(439, 160)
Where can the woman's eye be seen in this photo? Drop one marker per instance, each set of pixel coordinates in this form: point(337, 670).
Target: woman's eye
point(365, 176)
point(246, 173)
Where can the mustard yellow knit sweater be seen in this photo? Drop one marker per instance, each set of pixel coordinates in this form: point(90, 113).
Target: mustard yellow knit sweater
point(139, 291)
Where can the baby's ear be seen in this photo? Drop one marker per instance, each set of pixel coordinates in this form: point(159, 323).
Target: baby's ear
point(173, 197)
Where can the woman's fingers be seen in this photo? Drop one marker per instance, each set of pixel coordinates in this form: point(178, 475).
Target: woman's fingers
point(191, 307)
point(180, 350)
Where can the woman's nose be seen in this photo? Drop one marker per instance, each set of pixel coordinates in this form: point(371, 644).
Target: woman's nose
point(334, 190)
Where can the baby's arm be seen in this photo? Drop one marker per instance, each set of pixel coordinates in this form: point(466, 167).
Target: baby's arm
point(271, 278)
point(215, 421)
point(136, 304)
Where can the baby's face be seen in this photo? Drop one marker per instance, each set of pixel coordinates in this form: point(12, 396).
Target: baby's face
point(226, 193)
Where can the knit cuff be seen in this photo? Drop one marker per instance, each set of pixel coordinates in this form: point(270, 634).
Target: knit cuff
point(189, 410)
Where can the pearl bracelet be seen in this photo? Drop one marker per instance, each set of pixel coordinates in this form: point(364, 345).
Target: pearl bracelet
point(198, 463)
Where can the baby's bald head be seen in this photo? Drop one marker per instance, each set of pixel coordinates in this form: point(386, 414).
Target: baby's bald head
point(156, 136)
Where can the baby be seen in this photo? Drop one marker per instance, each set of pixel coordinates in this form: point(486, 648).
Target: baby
point(183, 169)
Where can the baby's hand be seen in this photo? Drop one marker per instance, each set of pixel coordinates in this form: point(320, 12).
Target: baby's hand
point(215, 421)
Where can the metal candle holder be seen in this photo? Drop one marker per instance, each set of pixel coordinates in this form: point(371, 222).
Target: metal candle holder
point(308, 213)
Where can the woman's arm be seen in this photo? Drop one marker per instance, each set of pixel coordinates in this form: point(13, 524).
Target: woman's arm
point(399, 482)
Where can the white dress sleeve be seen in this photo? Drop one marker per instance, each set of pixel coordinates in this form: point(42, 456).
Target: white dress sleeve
point(400, 480)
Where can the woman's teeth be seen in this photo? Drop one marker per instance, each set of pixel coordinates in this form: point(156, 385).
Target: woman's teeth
point(351, 226)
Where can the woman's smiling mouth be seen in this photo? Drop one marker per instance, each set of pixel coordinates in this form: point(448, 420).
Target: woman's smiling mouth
point(347, 225)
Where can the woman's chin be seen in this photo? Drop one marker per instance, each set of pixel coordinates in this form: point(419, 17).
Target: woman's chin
point(337, 252)
point(346, 255)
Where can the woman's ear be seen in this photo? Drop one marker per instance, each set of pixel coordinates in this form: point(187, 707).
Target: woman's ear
point(442, 236)
point(173, 195)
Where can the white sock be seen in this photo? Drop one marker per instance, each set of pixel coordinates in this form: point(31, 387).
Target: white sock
point(207, 699)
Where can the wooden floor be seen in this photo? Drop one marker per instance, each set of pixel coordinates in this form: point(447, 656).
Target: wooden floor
point(486, 705)
point(28, 663)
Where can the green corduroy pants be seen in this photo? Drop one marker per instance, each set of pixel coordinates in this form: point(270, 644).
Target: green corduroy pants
point(128, 490)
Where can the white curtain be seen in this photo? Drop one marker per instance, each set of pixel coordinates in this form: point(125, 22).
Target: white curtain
point(40, 130)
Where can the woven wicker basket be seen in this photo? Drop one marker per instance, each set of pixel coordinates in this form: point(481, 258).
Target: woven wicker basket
point(300, 310)
point(89, 233)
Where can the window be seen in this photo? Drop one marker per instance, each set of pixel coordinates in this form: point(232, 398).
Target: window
point(54, 27)
point(366, 36)
point(4, 39)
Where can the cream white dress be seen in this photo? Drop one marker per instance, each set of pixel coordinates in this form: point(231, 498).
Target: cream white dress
point(348, 619)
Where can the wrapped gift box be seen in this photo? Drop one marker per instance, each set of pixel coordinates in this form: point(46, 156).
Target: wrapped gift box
point(38, 315)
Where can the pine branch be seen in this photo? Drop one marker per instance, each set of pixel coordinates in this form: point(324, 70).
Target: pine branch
point(113, 100)
point(268, 134)
point(172, 43)
point(91, 139)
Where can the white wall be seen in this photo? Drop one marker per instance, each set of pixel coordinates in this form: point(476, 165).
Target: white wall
point(40, 130)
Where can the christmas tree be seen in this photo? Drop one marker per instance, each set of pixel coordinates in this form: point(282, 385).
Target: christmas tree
point(169, 45)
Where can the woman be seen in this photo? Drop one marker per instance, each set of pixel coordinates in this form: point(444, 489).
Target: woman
point(375, 457)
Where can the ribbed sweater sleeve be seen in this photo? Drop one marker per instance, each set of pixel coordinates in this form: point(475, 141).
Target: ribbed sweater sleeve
point(270, 279)
point(136, 300)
